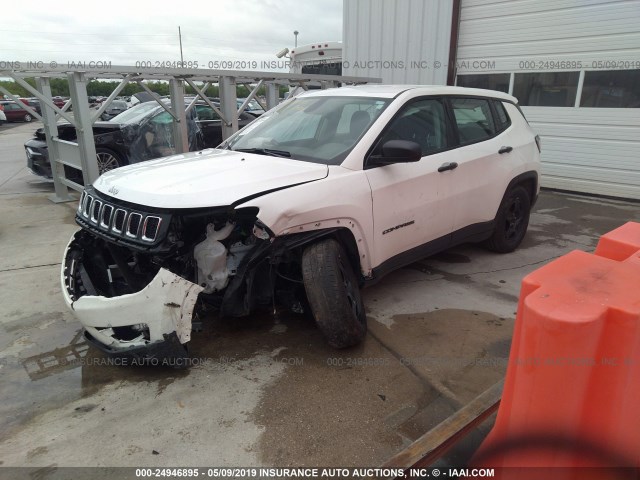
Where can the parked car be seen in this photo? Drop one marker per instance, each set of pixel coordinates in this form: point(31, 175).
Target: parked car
point(59, 101)
point(116, 107)
point(3, 117)
point(317, 197)
point(14, 112)
point(142, 97)
point(34, 103)
point(141, 133)
point(254, 108)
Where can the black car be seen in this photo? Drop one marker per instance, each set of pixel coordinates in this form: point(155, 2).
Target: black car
point(115, 108)
point(141, 133)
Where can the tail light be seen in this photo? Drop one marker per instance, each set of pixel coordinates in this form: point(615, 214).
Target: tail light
point(1, 108)
point(539, 143)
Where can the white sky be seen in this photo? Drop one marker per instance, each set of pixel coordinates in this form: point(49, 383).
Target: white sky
point(124, 32)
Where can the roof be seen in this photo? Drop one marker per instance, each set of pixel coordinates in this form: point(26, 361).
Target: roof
point(392, 91)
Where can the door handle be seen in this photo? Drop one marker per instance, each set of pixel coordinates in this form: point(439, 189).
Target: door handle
point(505, 149)
point(447, 166)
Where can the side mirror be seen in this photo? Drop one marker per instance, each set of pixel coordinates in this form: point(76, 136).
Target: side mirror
point(397, 151)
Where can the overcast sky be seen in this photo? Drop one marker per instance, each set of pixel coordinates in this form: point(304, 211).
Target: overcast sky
point(126, 31)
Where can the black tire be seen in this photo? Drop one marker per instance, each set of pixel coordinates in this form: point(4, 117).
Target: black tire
point(511, 222)
point(107, 160)
point(333, 293)
point(28, 118)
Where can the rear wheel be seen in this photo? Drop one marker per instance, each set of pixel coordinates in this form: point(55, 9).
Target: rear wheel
point(333, 293)
point(512, 221)
point(28, 118)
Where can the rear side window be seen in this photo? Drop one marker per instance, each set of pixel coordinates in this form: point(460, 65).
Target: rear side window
point(205, 112)
point(473, 119)
point(502, 118)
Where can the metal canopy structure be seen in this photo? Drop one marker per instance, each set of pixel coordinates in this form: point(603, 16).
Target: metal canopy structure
point(81, 154)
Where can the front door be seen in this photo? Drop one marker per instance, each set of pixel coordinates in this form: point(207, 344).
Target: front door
point(411, 210)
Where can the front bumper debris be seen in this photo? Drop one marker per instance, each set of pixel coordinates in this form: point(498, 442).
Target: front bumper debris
point(164, 307)
point(169, 352)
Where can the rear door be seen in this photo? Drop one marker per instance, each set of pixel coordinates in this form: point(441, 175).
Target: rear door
point(483, 172)
point(411, 212)
point(13, 112)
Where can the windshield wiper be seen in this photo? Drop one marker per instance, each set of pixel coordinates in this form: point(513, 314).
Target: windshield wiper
point(265, 151)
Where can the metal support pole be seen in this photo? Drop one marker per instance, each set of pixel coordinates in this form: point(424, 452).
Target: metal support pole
point(47, 101)
point(180, 133)
point(202, 96)
point(51, 131)
point(272, 95)
point(84, 130)
point(251, 96)
point(113, 95)
point(200, 93)
point(229, 104)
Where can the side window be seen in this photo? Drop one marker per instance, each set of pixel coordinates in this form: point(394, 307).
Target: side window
point(423, 122)
point(502, 120)
point(473, 118)
point(205, 112)
point(163, 118)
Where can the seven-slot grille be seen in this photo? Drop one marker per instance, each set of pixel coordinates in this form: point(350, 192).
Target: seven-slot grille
point(117, 220)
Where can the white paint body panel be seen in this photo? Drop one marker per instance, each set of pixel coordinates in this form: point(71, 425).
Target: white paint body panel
point(343, 199)
point(371, 201)
point(483, 174)
point(204, 179)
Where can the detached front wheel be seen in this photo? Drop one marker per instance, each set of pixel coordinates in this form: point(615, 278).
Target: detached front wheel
point(333, 293)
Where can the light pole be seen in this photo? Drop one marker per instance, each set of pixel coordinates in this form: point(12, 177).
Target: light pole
point(180, 38)
point(295, 33)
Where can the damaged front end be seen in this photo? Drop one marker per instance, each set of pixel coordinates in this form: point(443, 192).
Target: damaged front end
point(137, 277)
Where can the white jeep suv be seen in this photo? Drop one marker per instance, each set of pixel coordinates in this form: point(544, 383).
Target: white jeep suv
point(303, 207)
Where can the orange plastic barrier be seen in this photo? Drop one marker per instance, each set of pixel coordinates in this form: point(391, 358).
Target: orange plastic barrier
point(572, 391)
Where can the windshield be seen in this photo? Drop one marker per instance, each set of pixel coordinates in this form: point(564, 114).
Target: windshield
point(136, 114)
point(314, 129)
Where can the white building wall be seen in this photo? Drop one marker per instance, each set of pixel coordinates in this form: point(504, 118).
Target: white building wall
point(400, 41)
point(592, 150)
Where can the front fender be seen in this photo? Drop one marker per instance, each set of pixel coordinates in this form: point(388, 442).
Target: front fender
point(342, 200)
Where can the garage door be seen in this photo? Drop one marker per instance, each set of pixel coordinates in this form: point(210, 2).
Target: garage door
point(575, 69)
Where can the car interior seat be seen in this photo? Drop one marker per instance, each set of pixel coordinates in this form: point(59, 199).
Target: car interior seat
point(359, 121)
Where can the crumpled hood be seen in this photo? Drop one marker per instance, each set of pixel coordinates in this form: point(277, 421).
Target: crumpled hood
point(205, 179)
